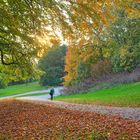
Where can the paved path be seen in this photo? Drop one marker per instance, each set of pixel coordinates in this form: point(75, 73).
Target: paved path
point(124, 112)
point(41, 97)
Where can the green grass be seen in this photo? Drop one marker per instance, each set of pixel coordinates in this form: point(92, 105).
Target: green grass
point(35, 94)
point(120, 95)
point(21, 88)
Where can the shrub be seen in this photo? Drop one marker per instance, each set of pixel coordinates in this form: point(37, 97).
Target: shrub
point(124, 77)
point(101, 69)
point(2, 84)
point(108, 81)
point(83, 86)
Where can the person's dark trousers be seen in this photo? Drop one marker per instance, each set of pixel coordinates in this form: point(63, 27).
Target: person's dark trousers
point(51, 97)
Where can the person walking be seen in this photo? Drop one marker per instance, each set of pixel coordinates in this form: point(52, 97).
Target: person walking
point(51, 93)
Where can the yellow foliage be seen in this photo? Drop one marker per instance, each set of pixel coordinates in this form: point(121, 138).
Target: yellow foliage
point(75, 55)
point(72, 60)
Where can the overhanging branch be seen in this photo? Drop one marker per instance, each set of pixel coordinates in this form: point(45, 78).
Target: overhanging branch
point(3, 61)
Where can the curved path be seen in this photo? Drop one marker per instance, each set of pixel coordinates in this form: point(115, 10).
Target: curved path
point(125, 112)
point(41, 97)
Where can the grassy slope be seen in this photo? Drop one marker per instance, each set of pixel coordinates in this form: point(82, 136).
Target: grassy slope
point(21, 88)
point(122, 95)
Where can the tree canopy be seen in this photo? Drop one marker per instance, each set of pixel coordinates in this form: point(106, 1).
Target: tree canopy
point(22, 21)
point(29, 27)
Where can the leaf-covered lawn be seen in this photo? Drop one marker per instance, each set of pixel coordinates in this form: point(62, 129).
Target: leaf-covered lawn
point(24, 120)
point(122, 95)
point(21, 88)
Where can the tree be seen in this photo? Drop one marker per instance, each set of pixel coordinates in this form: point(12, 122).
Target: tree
point(125, 36)
point(26, 26)
point(119, 41)
point(23, 21)
point(53, 66)
point(78, 62)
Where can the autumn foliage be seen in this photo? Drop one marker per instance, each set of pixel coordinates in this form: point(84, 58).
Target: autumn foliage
point(114, 38)
point(24, 120)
